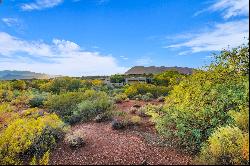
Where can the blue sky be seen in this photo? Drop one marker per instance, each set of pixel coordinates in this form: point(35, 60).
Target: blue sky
point(102, 37)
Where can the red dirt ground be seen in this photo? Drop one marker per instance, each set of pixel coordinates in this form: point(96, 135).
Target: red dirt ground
point(112, 147)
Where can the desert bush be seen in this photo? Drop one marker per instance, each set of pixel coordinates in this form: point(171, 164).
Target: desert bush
point(240, 118)
point(29, 136)
point(153, 111)
point(117, 125)
point(142, 89)
point(227, 145)
point(202, 102)
point(79, 106)
point(168, 78)
point(6, 95)
point(120, 97)
point(22, 99)
point(64, 104)
point(62, 85)
point(146, 98)
point(19, 85)
point(75, 139)
point(44, 160)
point(137, 97)
point(136, 120)
point(88, 109)
point(118, 113)
point(7, 115)
point(36, 101)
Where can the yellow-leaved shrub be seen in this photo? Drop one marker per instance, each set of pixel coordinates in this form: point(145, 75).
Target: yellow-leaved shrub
point(29, 134)
point(227, 145)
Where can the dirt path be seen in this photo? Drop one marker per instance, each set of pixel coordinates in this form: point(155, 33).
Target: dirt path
point(113, 147)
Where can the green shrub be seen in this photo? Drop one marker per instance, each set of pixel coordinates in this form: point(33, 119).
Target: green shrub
point(75, 139)
point(64, 104)
point(203, 101)
point(120, 97)
point(241, 118)
point(36, 101)
point(142, 89)
point(136, 120)
point(19, 85)
point(6, 95)
point(227, 145)
point(168, 78)
point(146, 98)
point(88, 109)
point(78, 106)
point(22, 99)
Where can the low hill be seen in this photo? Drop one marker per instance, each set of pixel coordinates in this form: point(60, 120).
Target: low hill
point(11, 75)
point(156, 70)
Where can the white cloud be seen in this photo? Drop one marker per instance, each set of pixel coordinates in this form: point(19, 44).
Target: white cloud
point(40, 4)
point(222, 35)
point(11, 21)
point(60, 57)
point(229, 8)
point(144, 61)
point(10, 44)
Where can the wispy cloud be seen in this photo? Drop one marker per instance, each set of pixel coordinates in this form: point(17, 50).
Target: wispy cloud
point(15, 23)
point(11, 21)
point(100, 2)
point(123, 57)
point(144, 61)
point(59, 57)
point(227, 34)
point(229, 8)
point(40, 4)
point(223, 35)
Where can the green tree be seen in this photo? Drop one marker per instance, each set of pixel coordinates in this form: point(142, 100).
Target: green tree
point(168, 78)
point(117, 78)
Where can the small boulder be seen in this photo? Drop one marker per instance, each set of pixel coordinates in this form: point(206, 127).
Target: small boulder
point(102, 118)
point(161, 99)
point(137, 105)
point(74, 140)
point(133, 110)
point(141, 114)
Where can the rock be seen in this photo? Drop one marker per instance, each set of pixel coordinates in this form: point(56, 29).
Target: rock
point(41, 113)
point(74, 140)
point(161, 99)
point(141, 114)
point(102, 118)
point(116, 125)
point(126, 100)
point(137, 105)
point(133, 110)
point(77, 142)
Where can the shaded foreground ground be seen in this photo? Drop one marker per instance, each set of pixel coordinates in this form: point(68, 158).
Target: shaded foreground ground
point(107, 146)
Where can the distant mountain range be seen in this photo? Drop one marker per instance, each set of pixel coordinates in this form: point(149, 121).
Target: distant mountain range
point(11, 75)
point(156, 70)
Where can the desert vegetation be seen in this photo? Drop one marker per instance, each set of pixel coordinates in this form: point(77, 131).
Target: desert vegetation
point(204, 114)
